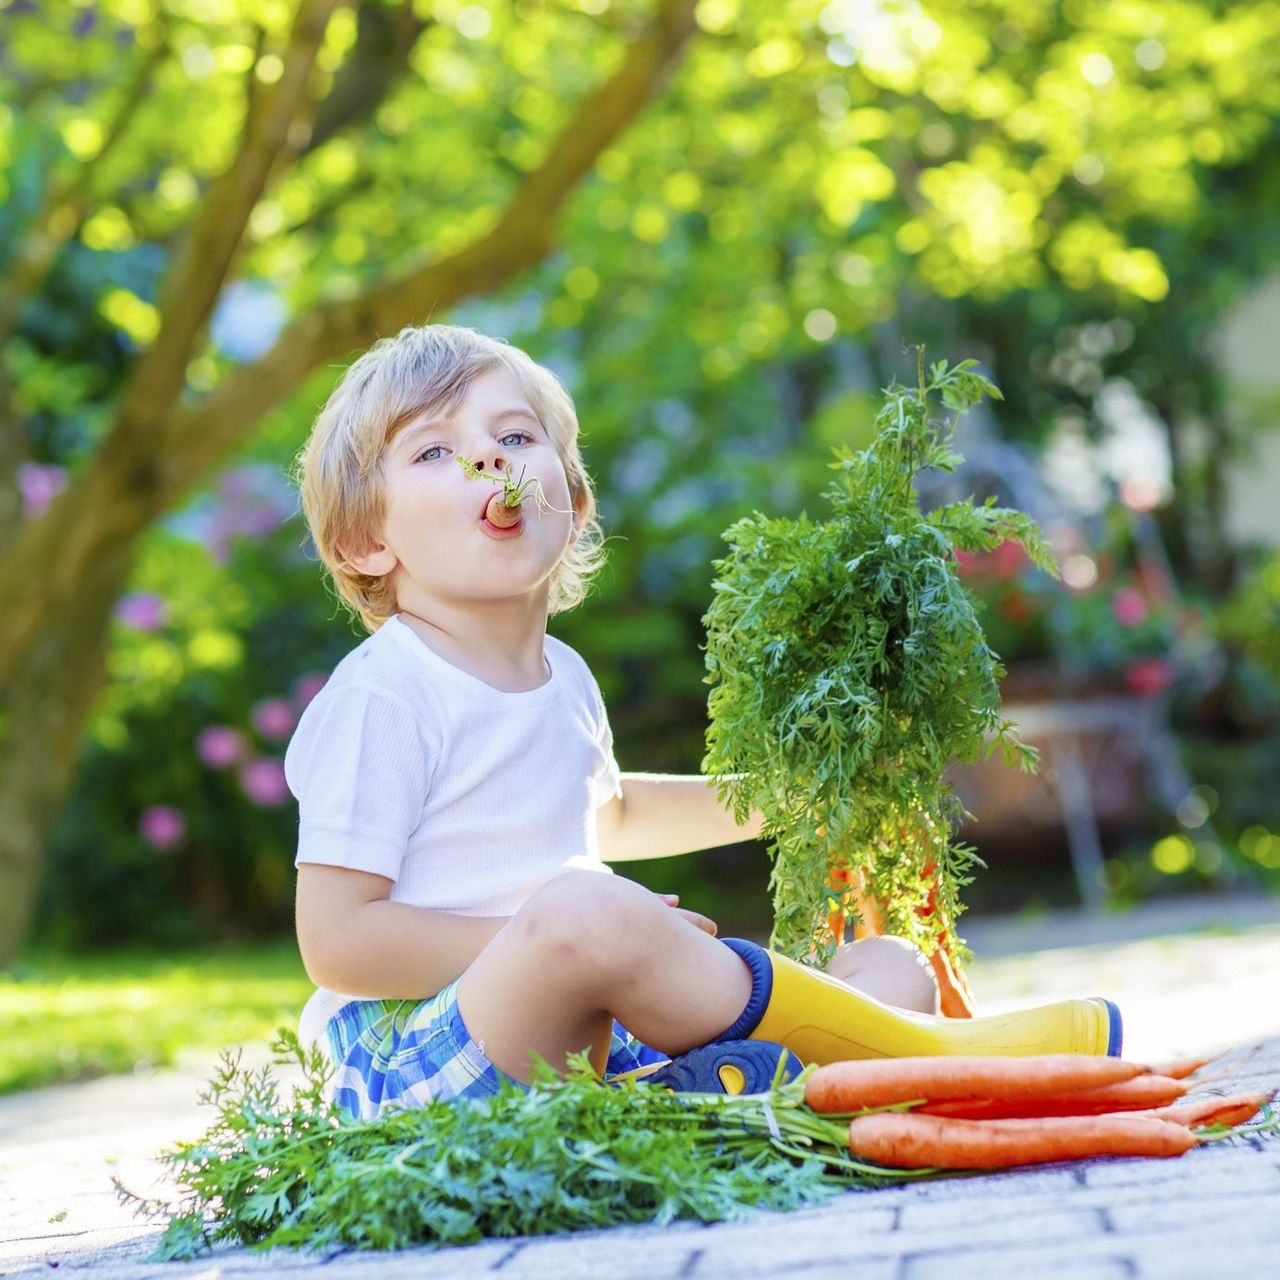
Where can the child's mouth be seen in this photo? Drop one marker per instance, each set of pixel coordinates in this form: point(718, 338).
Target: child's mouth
point(511, 531)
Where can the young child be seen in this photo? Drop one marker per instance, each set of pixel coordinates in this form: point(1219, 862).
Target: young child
point(459, 800)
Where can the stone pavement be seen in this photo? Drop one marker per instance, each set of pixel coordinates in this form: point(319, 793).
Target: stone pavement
point(1192, 977)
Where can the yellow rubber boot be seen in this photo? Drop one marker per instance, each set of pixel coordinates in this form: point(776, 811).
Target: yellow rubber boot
point(822, 1020)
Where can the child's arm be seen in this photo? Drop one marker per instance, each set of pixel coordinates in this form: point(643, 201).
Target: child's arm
point(659, 815)
point(354, 940)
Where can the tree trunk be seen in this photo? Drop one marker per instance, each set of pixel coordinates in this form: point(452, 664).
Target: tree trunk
point(43, 712)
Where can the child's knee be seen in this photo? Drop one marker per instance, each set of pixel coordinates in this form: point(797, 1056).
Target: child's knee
point(587, 919)
point(889, 969)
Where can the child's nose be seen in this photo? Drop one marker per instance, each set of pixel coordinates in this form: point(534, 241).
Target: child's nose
point(495, 462)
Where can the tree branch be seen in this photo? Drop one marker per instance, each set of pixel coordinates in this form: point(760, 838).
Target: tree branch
point(384, 43)
point(196, 276)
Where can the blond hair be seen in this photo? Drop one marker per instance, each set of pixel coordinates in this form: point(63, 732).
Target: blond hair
point(424, 369)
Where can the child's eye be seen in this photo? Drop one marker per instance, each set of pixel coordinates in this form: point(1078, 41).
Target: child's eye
point(425, 455)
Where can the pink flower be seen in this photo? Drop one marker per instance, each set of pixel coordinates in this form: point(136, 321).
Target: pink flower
point(219, 746)
point(162, 826)
point(142, 610)
point(39, 486)
point(274, 718)
point(306, 687)
point(1008, 559)
point(1149, 677)
point(263, 781)
point(1129, 607)
point(965, 562)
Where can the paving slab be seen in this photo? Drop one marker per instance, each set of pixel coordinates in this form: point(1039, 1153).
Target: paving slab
point(1197, 980)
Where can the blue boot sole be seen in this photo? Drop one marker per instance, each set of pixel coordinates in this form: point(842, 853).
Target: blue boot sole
point(730, 1066)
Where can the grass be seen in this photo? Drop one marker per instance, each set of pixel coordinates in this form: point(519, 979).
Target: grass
point(71, 1018)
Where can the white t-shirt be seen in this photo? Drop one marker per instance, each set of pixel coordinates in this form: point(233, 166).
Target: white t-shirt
point(468, 797)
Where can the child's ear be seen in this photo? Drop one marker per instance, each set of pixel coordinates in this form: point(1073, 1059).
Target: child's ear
point(375, 561)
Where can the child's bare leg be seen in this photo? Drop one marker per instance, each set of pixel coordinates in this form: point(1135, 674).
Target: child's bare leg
point(890, 970)
point(585, 949)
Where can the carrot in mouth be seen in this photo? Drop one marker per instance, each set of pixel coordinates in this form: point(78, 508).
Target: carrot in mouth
point(503, 510)
point(499, 514)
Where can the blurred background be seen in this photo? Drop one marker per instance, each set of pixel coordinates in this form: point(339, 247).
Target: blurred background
point(724, 226)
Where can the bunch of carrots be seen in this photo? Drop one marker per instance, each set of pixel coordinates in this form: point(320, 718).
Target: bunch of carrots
point(995, 1112)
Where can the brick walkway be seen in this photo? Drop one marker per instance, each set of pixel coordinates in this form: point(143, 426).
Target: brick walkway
point(1213, 1212)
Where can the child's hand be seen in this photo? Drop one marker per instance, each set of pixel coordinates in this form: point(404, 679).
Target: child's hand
point(706, 925)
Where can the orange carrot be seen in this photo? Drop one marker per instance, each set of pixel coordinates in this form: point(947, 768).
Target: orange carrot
point(954, 998)
point(851, 1086)
point(1182, 1067)
point(903, 1140)
point(1236, 1109)
point(1136, 1095)
point(501, 515)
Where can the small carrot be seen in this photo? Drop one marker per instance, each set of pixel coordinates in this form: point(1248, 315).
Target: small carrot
point(851, 1086)
point(1236, 1109)
point(500, 515)
point(1181, 1068)
point(1136, 1095)
point(903, 1140)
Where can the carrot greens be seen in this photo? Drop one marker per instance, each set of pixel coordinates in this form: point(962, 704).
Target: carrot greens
point(849, 670)
point(567, 1154)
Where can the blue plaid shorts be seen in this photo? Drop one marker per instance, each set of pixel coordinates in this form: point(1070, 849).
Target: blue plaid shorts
point(405, 1053)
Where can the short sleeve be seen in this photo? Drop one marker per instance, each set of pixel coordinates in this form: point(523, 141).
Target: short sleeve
point(359, 768)
point(608, 778)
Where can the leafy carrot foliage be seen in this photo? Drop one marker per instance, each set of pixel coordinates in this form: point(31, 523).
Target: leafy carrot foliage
point(848, 670)
point(566, 1154)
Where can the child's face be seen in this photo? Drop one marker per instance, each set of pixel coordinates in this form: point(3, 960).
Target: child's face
point(435, 540)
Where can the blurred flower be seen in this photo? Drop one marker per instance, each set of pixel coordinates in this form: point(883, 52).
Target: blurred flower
point(263, 781)
point(219, 746)
point(1129, 607)
point(1149, 677)
point(274, 718)
point(162, 826)
point(39, 485)
point(1008, 560)
point(249, 501)
point(142, 610)
point(306, 687)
